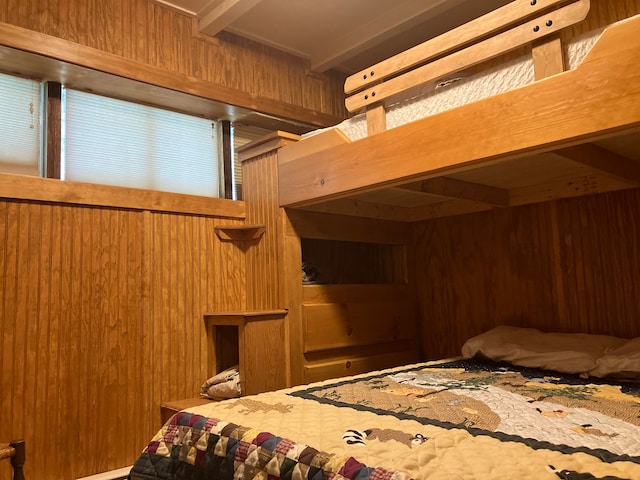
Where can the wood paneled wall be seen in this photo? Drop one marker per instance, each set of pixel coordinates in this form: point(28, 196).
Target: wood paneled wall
point(570, 265)
point(152, 34)
point(265, 262)
point(101, 320)
point(260, 190)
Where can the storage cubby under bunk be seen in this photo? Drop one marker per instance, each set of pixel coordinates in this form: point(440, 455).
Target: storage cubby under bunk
point(351, 298)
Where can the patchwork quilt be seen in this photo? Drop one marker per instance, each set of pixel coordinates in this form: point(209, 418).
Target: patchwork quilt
point(453, 419)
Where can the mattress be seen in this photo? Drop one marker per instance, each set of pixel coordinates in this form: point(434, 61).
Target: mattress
point(451, 419)
point(460, 89)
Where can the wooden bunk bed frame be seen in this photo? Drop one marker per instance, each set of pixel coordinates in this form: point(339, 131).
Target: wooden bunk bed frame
point(568, 134)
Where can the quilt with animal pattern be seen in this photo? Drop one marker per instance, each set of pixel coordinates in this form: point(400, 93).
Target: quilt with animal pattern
point(452, 419)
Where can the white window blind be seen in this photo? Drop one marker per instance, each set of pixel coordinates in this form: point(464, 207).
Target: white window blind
point(121, 143)
point(241, 135)
point(19, 125)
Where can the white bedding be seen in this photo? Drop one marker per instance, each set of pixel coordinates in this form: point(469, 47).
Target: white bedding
point(516, 73)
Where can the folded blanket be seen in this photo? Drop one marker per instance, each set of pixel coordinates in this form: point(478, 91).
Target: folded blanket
point(225, 384)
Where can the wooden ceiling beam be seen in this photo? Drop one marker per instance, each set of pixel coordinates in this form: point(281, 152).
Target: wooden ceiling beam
point(458, 189)
point(604, 161)
point(218, 15)
point(359, 208)
point(391, 20)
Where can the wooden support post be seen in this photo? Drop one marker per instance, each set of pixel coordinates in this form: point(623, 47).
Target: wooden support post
point(376, 119)
point(548, 58)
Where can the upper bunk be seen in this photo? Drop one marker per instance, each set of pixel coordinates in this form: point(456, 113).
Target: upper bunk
point(566, 133)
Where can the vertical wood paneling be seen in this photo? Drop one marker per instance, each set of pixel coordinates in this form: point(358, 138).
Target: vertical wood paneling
point(260, 181)
point(571, 265)
point(157, 35)
point(101, 320)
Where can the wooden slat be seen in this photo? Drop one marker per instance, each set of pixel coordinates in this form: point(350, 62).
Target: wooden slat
point(376, 119)
point(357, 208)
point(589, 184)
point(483, 26)
point(603, 160)
point(492, 132)
point(458, 189)
point(548, 57)
point(473, 55)
point(447, 208)
point(397, 197)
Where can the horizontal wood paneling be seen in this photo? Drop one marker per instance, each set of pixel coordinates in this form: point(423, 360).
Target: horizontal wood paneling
point(342, 325)
point(155, 35)
point(569, 265)
point(101, 320)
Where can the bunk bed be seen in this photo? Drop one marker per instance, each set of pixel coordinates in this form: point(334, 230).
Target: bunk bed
point(496, 412)
point(568, 133)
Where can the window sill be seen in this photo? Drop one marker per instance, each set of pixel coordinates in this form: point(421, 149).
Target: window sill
point(24, 187)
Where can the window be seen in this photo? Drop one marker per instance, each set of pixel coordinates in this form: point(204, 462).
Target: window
point(241, 135)
point(114, 142)
point(20, 139)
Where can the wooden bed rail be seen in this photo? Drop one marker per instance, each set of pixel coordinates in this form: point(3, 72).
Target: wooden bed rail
point(379, 82)
point(451, 40)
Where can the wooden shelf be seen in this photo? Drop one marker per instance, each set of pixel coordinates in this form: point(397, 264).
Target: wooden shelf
point(232, 233)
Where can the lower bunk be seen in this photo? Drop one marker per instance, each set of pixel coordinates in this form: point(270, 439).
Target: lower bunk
point(515, 406)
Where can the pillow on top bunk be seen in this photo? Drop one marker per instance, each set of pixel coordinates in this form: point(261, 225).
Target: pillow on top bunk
point(528, 347)
point(622, 362)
